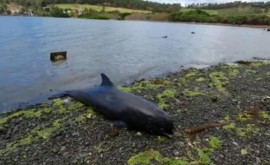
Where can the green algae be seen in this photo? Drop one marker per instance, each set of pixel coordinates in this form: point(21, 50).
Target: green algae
point(200, 79)
point(76, 106)
point(125, 89)
point(219, 80)
point(88, 115)
point(164, 97)
point(204, 154)
point(60, 107)
point(233, 72)
point(215, 143)
point(230, 126)
point(227, 118)
point(251, 71)
point(192, 74)
point(259, 63)
point(34, 136)
point(265, 115)
point(162, 139)
point(244, 117)
point(147, 157)
point(247, 131)
point(47, 132)
point(31, 113)
point(244, 132)
point(193, 93)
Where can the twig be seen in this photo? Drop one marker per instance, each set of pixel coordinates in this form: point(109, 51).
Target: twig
point(192, 131)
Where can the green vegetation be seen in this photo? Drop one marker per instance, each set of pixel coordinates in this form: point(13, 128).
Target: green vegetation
point(219, 80)
point(26, 113)
point(88, 115)
point(237, 16)
point(193, 93)
point(147, 157)
point(230, 126)
point(35, 135)
point(200, 79)
point(99, 8)
point(164, 97)
point(73, 8)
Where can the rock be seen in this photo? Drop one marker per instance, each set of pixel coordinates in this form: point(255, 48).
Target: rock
point(258, 161)
point(175, 153)
point(63, 148)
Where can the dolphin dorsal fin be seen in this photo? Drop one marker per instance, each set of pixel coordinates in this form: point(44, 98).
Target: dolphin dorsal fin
point(106, 81)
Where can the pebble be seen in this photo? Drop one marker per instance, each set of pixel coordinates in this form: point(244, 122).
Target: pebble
point(175, 153)
point(235, 143)
point(63, 148)
point(258, 160)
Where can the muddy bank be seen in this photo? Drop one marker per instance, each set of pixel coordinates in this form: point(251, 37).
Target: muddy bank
point(221, 116)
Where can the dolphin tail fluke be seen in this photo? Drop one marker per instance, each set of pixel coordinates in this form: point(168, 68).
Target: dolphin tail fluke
point(61, 95)
point(106, 81)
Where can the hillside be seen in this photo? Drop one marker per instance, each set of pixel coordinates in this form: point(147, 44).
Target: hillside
point(99, 8)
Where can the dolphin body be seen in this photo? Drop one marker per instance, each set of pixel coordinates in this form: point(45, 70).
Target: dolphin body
point(125, 109)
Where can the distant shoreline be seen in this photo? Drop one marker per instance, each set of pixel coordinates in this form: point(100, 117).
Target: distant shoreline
point(165, 21)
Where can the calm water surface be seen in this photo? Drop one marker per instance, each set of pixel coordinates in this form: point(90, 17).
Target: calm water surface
point(124, 50)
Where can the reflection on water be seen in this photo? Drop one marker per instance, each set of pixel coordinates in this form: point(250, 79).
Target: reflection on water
point(124, 50)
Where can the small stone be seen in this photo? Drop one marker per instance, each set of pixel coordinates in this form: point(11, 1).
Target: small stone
point(221, 156)
point(268, 147)
point(139, 134)
point(133, 145)
point(63, 148)
point(54, 150)
point(243, 152)
point(175, 153)
point(235, 143)
point(181, 144)
point(66, 100)
point(258, 160)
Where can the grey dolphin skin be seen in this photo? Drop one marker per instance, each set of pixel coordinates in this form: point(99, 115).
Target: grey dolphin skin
point(125, 109)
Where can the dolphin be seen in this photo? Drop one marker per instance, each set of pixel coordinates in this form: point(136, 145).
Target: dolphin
point(125, 109)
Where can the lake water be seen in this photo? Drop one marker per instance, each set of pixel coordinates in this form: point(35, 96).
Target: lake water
point(124, 50)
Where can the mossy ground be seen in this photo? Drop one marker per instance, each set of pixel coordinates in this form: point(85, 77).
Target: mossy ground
point(67, 132)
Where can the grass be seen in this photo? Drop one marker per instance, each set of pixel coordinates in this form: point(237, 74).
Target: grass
point(99, 8)
point(231, 11)
point(211, 12)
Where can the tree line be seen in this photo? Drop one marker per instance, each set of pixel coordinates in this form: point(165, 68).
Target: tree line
point(227, 5)
point(131, 4)
point(198, 15)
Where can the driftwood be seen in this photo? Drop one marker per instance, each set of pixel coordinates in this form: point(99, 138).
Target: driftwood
point(254, 113)
point(195, 130)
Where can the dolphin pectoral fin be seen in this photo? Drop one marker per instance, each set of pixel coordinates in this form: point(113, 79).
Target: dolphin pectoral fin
point(119, 124)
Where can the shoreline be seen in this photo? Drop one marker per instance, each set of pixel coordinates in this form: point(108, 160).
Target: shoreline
point(191, 23)
point(232, 100)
